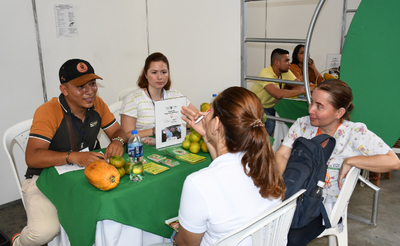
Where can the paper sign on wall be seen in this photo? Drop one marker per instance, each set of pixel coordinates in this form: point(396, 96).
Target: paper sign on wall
point(66, 21)
point(170, 128)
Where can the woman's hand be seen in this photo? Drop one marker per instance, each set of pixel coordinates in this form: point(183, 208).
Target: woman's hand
point(191, 118)
point(344, 170)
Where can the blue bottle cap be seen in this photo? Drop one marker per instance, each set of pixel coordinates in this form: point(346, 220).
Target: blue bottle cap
point(134, 132)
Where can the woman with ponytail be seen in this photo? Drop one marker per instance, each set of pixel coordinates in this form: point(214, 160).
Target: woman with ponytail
point(241, 183)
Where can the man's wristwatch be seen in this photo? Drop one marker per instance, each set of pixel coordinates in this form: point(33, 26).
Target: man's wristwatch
point(119, 139)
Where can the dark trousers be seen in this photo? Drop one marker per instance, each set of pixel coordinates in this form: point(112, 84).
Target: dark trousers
point(269, 124)
point(302, 236)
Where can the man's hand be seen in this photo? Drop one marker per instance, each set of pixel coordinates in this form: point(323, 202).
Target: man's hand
point(114, 148)
point(85, 158)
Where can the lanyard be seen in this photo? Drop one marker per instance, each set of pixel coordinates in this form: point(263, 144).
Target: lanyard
point(327, 177)
point(147, 88)
point(79, 129)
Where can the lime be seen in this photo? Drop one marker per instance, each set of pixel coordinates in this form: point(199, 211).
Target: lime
point(121, 171)
point(194, 136)
point(117, 161)
point(204, 147)
point(194, 147)
point(204, 107)
point(137, 168)
point(186, 144)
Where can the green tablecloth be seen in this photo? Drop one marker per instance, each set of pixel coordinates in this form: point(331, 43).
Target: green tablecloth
point(144, 205)
point(291, 109)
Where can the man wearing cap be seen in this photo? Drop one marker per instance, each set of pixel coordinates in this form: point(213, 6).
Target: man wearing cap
point(64, 131)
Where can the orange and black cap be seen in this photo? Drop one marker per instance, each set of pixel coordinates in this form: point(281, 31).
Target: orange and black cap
point(77, 72)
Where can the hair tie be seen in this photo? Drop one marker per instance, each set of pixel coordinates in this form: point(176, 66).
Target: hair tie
point(257, 122)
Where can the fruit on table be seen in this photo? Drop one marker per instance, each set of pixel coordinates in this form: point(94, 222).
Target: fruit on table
point(137, 168)
point(121, 171)
point(102, 175)
point(328, 76)
point(194, 136)
point(186, 144)
point(204, 107)
point(117, 161)
point(126, 167)
point(194, 147)
point(203, 147)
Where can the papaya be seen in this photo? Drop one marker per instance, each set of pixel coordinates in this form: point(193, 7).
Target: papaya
point(102, 175)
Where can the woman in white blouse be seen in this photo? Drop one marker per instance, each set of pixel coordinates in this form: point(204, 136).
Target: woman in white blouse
point(356, 146)
point(137, 112)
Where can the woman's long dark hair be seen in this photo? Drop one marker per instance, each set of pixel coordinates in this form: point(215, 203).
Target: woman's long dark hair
point(240, 112)
point(295, 55)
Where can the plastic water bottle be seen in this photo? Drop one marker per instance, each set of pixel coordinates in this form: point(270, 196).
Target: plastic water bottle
point(135, 152)
point(316, 192)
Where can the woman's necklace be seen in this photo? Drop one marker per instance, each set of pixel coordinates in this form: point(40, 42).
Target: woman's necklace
point(147, 88)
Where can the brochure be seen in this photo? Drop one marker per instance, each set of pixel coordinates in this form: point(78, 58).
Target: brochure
point(170, 128)
point(183, 155)
point(154, 168)
point(191, 158)
point(173, 223)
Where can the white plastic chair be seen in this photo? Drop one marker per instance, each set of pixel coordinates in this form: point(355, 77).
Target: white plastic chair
point(19, 134)
point(102, 137)
point(115, 108)
point(275, 223)
point(340, 211)
point(122, 94)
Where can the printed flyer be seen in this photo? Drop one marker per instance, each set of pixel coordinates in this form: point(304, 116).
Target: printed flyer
point(170, 128)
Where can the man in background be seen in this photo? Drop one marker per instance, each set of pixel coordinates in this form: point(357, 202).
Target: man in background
point(270, 92)
point(64, 131)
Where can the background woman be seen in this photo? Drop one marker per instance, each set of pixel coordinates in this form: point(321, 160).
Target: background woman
point(154, 83)
point(297, 66)
point(241, 183)
point(355, 146)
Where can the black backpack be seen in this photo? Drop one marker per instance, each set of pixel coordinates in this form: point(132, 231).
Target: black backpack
point(305, 167)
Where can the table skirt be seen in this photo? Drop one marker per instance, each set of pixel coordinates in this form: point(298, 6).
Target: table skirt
point(109, 232)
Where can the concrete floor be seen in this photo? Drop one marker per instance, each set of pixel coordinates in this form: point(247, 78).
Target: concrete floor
point(387, 232)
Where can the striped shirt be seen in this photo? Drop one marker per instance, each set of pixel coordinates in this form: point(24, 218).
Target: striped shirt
point(138, 105)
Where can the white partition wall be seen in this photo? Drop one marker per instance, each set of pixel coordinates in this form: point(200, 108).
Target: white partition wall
point(202, 42)
point(291, 19)
point(21, 88)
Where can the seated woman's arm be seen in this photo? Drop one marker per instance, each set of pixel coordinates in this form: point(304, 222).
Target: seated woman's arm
point(376, 163)
point(128, 124)
point(282, 157)
point(296, 70)
point(185, 237)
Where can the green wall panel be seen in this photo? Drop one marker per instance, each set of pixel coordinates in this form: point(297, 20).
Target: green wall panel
point(370, 63)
